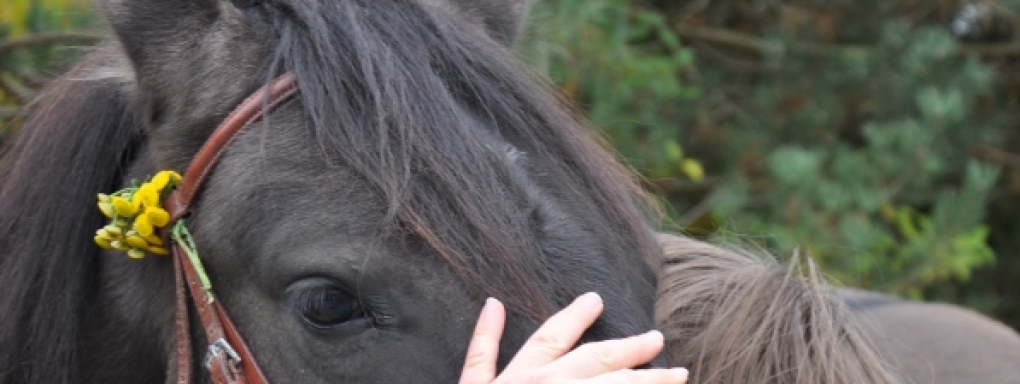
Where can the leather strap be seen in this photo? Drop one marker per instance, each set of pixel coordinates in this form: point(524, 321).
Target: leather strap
point(229, 359)
point(182, 326)
point(250, 110)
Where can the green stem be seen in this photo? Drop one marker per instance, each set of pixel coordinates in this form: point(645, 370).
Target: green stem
point(183, 238)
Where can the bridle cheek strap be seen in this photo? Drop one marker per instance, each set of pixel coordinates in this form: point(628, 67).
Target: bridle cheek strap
point(228, 359)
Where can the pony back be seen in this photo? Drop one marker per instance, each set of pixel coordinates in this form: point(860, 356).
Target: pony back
point(732, 317)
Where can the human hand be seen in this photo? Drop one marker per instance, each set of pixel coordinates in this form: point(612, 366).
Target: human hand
point(546, 358)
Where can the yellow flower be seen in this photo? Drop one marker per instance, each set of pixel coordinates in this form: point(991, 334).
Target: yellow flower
point(157, 216)
point(143, 226)
point(113, 230)
point(154, 240)
point(122, 206)
point(160, 181)
point(103, 242)
point(136, 254)
point(164, 179)
point(105, 206)
point(139, 213)
point(120, 246)
point(105, 234)
point(159, 251)
point(107, 209)
point(146, 196)
point(137, 242)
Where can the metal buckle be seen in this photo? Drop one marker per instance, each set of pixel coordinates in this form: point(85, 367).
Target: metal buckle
point(218, 347)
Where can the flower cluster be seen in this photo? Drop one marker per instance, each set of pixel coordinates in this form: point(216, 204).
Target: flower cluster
point(135, 215)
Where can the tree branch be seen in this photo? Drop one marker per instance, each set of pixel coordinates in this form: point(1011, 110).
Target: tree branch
point(996, 50)
point(996, 156)
point(46, 39)
point(762, 46)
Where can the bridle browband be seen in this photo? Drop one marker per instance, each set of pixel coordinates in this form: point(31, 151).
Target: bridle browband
point(228, 359)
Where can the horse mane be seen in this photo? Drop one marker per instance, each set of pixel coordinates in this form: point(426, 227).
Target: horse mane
point(71, 146)
point(365, 66)
point(733, 317)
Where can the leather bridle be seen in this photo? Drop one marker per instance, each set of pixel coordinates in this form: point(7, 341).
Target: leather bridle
point(228, 359)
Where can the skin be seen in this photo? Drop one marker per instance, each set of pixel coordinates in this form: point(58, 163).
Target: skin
point(547, 356)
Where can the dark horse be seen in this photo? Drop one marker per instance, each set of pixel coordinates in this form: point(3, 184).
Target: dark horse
point(354, 232)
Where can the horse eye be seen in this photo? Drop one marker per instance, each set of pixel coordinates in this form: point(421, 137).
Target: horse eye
point(325, 307)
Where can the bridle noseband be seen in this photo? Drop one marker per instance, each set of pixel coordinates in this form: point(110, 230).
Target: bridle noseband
point(229, 359)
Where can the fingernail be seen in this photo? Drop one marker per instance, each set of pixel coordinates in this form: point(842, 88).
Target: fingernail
point(590, 299)
point(655, 337)
point(488, 310)
point(680, 374)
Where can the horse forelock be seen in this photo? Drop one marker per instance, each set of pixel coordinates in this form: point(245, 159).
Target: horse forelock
point(397, 92)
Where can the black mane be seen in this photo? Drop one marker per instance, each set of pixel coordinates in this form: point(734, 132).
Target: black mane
point(382, 82)
point(71, 148)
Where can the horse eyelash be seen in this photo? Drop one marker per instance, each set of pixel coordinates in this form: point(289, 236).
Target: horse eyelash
point(378, 313)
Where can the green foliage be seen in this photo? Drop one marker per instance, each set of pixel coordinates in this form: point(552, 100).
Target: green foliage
point(862, 156)
point(25, 69)
point(852, 130)
point(21, 18)
point(619, 60)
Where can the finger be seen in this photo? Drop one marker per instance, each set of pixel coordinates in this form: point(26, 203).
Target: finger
point(645, 376)
point(480, 363)
point(594, 359)
point(559, 334)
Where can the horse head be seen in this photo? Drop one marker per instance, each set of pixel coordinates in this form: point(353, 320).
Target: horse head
point(354, 232)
